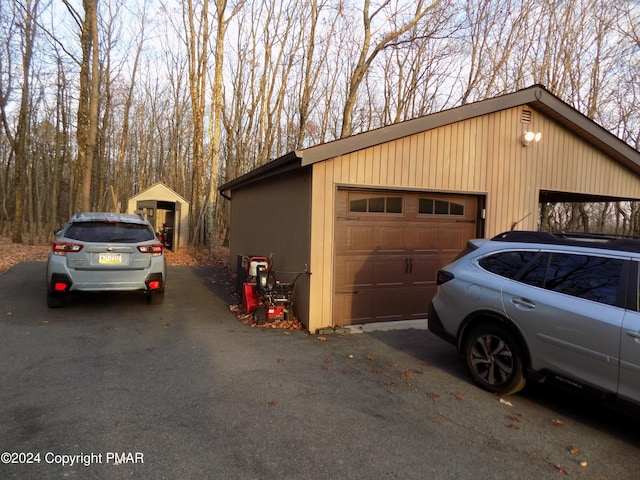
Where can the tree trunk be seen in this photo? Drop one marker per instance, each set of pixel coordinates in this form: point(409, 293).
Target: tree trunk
point(88, 103)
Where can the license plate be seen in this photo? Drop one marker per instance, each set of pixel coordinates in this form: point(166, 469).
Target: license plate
point(110, 258)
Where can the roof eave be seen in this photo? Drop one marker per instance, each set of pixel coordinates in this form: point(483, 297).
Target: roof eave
point(536, 97)
point(285, 163)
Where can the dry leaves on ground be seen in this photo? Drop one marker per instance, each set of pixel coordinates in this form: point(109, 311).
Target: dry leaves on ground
point(14, 253)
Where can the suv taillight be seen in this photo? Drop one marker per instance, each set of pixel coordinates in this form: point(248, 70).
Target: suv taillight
point(443, 277)
point(62, 248)
point(155, 249)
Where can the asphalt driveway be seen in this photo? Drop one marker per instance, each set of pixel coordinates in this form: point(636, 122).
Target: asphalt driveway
point(110, 387)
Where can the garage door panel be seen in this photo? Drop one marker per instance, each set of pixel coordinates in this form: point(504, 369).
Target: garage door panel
point(422, 270)
point(353, 309)
point(386, 264)
point(387, 305)
point(417, 300)
point(389, 238)
point(454, 237)
point(424, 238)
point(353, 273)
point(355, 237)
point(388, 271)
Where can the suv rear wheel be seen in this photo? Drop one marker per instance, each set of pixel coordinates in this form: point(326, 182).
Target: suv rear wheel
point(155, 297)
point(55, 300)
point(494, 358)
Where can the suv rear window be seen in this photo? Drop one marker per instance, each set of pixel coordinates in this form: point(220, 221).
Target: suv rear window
point(110, 232)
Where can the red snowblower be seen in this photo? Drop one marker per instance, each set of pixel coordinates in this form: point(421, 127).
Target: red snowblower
point(267, 298)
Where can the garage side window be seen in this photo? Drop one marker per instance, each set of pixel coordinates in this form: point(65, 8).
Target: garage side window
point(362, 203)
point(431, 206)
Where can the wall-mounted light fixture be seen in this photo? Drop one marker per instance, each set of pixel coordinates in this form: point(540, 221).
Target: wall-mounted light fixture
point(528, 137)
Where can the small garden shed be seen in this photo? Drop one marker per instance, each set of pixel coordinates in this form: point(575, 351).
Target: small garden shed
point(372, 217)
point(165, 210)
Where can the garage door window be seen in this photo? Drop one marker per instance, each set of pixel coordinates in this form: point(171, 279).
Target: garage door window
point(362, 203)
point(430, 206)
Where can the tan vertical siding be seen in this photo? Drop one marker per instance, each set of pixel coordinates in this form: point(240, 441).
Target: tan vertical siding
point(481, 156)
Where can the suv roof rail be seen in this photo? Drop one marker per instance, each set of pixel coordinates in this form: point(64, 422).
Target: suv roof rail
point(594, 240)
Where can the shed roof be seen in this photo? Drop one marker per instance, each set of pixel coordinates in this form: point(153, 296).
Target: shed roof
point(536, 97)
point(159, 191)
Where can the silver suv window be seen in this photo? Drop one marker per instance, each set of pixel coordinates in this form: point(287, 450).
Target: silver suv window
point(585, 276)
point(109, 232)
point(507, 264)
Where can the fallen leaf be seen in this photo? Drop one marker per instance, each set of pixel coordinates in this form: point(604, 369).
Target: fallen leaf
point(280, 360)
point(369, 357)
point(350, 355)
point(583, 464)
point(272, 403)
point(459, 396)
point(435, 420)
point(322, 339)
point(514, 418)
point(506, 402)
point(435, 395)
point(393, 365)
point(407, 374)
point(512, 426)
point(557, 422)
point(573, 450)
point(562, 470)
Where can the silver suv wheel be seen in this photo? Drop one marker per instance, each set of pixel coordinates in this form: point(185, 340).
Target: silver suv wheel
point(494, 358)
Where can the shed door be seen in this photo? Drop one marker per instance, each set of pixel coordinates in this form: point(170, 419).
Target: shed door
point(389, 246)
point(148, 208)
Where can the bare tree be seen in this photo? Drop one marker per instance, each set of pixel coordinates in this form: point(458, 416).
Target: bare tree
point(217, 107)
point(124, 136)
point(26, 18)
point(370, 47)
point(87, 129)
point(197, 32)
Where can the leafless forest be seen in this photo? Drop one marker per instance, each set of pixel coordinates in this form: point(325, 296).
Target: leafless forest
point(100, 99)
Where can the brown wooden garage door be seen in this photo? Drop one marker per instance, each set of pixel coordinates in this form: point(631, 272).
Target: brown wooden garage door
point(389, 246)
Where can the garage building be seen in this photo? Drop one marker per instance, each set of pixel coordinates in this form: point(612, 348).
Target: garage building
point(373, 216)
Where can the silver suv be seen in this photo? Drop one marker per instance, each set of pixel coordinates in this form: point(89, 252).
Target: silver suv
point(106, 252)
point(542, 306)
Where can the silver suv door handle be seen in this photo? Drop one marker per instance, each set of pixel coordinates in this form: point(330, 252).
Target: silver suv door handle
point(523, 302)
point(633, 333)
